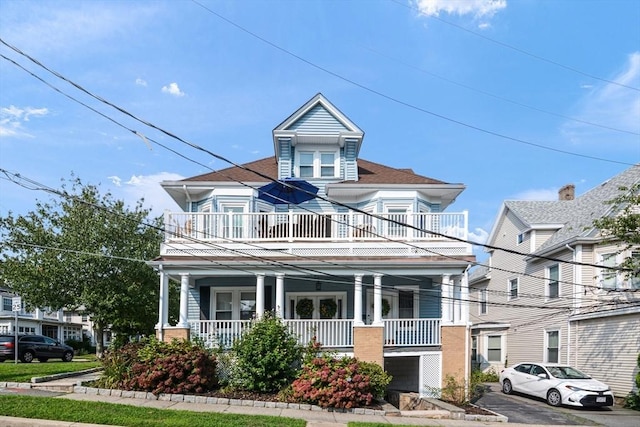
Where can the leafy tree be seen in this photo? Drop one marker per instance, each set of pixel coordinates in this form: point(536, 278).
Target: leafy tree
point(85, 250)
point(624, 226)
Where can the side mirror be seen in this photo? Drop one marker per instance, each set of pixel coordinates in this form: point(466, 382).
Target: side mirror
point(543, 376)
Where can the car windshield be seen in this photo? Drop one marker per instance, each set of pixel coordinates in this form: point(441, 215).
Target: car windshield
point(567, 373)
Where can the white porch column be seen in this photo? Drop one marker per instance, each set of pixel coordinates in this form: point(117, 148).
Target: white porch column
point(357, 300)
point(163, 301)
point(377, 299)
point(280, 295)
point(184, 301)
point(259, 295)
point(464, 297)
point(446, 299)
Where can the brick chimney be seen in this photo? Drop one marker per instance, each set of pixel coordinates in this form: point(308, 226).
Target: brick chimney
point(568, 192)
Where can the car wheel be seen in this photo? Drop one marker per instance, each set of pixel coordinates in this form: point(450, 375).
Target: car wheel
point(42, 359)
point(27, 356)
point(506, 387)
point(554, 398)
point(67, 356)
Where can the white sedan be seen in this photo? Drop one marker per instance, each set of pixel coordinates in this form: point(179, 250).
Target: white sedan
point(558, 384)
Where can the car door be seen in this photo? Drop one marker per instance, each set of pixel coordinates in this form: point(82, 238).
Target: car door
point(52, 348)
point(535, 384)
point(517, 376)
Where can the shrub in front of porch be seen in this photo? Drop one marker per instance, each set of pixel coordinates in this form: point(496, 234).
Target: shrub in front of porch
point(180, 366)
point(339, 383)
point(266, 358)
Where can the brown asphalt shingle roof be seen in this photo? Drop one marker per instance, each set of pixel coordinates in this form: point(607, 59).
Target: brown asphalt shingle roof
point(368, 172)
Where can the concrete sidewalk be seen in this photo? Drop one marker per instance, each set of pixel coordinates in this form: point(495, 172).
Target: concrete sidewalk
point(314, 416)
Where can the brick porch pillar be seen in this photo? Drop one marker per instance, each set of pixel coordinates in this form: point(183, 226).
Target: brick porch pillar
point(368, 344)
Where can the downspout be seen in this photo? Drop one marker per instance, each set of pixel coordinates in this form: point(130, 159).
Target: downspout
point(573, 267)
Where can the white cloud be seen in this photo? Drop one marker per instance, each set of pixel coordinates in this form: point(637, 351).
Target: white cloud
point(172, 89)
point(478, 235)
point(12, 119)
point(478, 8)
point(141, 82)
point(610, 105)
point(146, 187)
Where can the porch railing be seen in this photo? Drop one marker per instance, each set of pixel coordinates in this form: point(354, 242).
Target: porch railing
point(334, 333)
point(289, 226)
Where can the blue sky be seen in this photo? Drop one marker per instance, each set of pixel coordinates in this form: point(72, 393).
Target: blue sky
point(514, 99)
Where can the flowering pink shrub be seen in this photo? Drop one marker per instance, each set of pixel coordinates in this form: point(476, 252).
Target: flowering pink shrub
point(336, 383)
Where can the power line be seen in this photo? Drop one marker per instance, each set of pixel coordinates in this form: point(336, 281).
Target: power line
point(219, 157)
point(519, 50)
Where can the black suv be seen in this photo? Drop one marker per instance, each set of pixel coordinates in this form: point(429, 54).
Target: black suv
point(34, 347)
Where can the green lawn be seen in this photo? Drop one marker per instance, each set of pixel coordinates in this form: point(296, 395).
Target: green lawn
point(23, 372)
point(51, 408)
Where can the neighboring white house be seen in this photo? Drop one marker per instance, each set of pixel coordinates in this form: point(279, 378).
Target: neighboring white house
point(380, 265)
point(545, 299)
point(42, 322)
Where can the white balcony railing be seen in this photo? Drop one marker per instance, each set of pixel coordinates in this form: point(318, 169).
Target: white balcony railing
point(334, 333)
point(290, 226)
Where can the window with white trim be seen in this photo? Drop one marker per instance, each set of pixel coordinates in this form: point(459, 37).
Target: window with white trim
point(317, 163)
point(7, 304)
point(494, 348)
point(223, 305)
point(483, 301)
point(634, 279)
point(609, 276)
point(514, 285)
point(553, 283)
point(552, 341)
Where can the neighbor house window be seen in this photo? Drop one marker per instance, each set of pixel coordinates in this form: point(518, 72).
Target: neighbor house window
point(494, 349)
point(483, 301)
point(513, 288)
point(553, 346)
point(474, 348)
point(609, 276)
point(520, 238)
point(7, 304)
point(553, 287)
point(634, 279)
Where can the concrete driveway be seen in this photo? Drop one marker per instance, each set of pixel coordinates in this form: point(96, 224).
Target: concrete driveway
point(530, 410)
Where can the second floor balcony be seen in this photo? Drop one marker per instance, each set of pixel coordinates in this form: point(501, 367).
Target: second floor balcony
point(233, 227)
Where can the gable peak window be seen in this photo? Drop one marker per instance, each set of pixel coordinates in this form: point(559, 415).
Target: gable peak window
point(317, 163)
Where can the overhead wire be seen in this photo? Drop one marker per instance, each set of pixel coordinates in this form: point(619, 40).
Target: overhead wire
point(517, 49)
point(262, 175)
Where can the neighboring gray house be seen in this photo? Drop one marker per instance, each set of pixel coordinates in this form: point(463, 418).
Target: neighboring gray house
point(367, 267)
point(553, 303)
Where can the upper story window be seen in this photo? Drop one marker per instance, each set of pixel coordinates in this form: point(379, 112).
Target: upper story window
point(553, 286)
point(521, 237)
point(483, 301)
point(7, 304)
point(513, 288)
point(317, 164)
point(608, 276)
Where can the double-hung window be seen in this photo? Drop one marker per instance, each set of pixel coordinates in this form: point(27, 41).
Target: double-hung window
point(317, 164)
point(553, 346)
point(513, 288)
point(494, 348)
point(483, 301)
point(7, 304)
point(609, 276)
point(553, 285)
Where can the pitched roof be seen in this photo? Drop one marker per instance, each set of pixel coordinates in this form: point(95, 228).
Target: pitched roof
point(575, 217)
point(368, 172)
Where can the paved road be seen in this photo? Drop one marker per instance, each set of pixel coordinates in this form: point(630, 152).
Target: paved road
point(527, 410)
